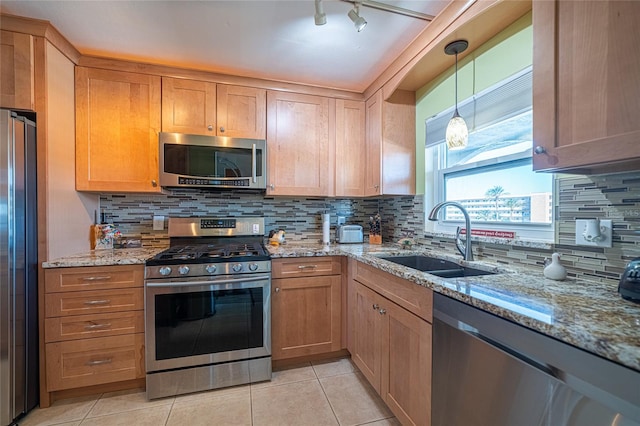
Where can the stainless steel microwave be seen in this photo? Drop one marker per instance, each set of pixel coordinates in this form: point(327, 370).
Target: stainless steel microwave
point(212, 162)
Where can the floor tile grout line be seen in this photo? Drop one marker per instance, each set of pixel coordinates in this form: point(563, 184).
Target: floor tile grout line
point(329, 401)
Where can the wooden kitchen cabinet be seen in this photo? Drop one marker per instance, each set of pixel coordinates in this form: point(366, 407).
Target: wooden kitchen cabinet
point(390, 144)
point(188, 106)
point(586, 96)
point(93, 328)
point(206, 108)
point(300, 151)
point(17, 71)
point(351, 160)
point(390, 339)
point(242, 112)
point(117, 125)
point(306, 307)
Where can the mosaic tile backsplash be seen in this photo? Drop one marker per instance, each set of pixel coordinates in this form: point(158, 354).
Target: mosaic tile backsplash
point(615, 197)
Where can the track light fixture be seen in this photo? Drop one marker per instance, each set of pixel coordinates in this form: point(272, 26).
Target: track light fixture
point(358, 21)
point(457, 133)
point(320, 17)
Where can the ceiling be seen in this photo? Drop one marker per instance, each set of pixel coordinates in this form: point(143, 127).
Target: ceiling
point(272, 39)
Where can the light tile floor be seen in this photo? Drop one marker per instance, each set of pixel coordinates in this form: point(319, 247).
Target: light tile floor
point(313, 394)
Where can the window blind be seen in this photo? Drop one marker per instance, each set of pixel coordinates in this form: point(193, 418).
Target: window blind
point(501, 101)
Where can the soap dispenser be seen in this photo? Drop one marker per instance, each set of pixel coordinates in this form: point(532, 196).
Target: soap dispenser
point(555, 270)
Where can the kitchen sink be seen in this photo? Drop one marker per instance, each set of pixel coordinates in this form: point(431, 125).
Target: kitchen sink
point(437, 267)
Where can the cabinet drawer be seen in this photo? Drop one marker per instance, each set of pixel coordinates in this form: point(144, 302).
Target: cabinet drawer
point(93, 278)
point(89, 362)
point(412, 297)
point(305, 267)
point(91, 302)
point(96, 325)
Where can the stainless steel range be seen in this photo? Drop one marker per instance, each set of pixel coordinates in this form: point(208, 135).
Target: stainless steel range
point(207, 307)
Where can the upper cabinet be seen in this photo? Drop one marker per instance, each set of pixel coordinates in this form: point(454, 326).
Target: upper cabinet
point(242, 112)
point(390, 144)
point(188, 106)
point(117, 124)
point(586, 99)
point(16, 71)
point(351, 162)
point(300, 161)
point(205, 108)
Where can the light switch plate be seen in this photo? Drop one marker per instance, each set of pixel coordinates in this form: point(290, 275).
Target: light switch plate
point(158, 223)
point(605, 238)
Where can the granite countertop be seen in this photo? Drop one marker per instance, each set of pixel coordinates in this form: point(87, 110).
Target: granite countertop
point(585, 314)
point(131, 256)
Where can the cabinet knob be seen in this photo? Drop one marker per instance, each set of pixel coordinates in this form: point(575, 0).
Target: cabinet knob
point(539, 150)
point(221, 129)
point(382, 311)
point(375, 306)
point(272, 187)
point(154, 183)
point(277, 290)
point(210, 127)
point(376, 187)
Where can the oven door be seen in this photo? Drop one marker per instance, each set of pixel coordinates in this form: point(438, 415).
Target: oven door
point(212, 161)
point(197, 321)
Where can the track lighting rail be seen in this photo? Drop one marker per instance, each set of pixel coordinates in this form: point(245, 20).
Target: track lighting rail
point(393, 9)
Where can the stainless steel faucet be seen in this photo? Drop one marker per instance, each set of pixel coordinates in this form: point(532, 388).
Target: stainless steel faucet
point(466, 252)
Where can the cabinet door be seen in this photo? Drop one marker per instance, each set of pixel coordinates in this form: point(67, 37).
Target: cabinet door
point(188, 106)
point(298, 145)
point(117, 123)
point(585, 92)
point(373, 151)
point(351, 161)
point(16, 71)
point(306, 315)
point(406, 377)
point(368, 333)
point(242, 112)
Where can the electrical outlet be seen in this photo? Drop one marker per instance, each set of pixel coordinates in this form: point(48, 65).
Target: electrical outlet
point(587, 231)
point(158, 223)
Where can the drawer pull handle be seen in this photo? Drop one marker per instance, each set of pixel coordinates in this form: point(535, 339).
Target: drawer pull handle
point(96, 326)
point(97, 302)
point(382, 311)
point(307, 266)
point(375, 306)
point(98, 362)
point(100, 278)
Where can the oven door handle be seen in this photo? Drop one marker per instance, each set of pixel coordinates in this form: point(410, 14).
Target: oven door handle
point(261, 277)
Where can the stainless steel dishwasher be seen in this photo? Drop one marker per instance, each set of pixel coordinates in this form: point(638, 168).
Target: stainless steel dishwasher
point(488, 371)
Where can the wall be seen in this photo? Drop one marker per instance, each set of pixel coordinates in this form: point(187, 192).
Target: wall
point(69, 213)
point(505, 54)
point(299, 217)
point(615, 197)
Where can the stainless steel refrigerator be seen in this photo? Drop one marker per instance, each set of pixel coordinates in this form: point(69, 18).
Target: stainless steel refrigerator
point(18, 267)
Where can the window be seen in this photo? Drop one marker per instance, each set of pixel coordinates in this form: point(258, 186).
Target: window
point(492, 177)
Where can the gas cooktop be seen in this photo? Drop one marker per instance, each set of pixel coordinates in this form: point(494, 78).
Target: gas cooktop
point(211, 252)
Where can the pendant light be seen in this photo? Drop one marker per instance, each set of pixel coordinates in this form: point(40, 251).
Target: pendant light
point(457, 134)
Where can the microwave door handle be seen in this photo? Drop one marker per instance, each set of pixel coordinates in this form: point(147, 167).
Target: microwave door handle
point(253, 163)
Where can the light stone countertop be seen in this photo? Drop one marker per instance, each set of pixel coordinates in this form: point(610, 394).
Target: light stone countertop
point(585, 314)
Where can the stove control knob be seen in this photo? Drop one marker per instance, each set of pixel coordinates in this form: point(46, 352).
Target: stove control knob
point(183, 270)
point(237, 267)
point(211, 268)
point(253, 267)
point(164, 271)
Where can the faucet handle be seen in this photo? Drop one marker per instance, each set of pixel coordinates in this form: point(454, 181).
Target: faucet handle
point(459, 245)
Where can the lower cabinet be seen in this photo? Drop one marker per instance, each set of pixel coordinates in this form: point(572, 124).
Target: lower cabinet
point(390, 340)
point(93, 328)
point(306, 306)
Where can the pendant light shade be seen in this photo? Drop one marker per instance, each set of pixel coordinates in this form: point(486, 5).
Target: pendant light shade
point(457, 134)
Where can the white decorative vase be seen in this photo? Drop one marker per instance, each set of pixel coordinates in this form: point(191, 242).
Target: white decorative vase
point(555, 270)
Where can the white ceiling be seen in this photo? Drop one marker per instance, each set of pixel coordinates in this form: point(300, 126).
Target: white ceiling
point(273, 39)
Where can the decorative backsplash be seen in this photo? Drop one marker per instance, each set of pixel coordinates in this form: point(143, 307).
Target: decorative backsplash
point(615, 197)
